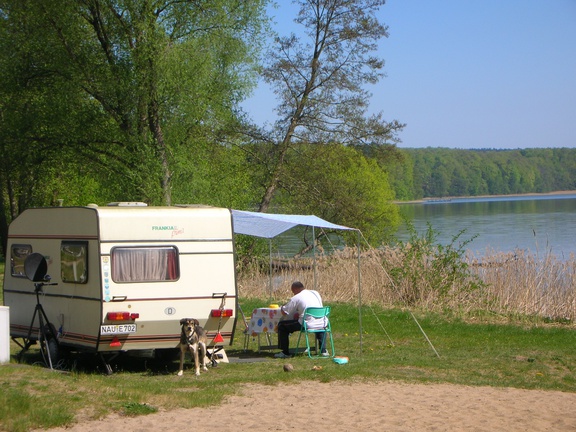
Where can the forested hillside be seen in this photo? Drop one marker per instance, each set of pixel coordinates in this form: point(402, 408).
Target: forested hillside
point(441, 172)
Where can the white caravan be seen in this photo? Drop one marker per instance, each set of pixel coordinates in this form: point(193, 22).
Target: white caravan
point(120, 277)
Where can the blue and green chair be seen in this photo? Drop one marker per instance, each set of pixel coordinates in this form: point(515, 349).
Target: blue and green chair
point(318, 313)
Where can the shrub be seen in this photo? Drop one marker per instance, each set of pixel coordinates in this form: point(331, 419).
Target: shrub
point(431, 274)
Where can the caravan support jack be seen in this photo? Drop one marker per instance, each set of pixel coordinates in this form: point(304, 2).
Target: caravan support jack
point(106, 363)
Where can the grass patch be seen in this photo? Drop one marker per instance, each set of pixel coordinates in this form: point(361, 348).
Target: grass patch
point(136, 409)
point(528, 356)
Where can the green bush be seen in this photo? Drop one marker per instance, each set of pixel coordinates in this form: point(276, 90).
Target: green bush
point(432, 274)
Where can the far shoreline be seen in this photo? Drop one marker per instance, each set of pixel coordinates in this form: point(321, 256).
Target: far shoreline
point(450, 198)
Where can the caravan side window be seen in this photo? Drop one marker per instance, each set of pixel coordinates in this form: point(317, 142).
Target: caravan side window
point(74, 261)
point(18, 255)
point(145, 264)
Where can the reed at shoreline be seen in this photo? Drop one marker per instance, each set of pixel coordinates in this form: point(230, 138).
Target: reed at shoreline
point(515, 285)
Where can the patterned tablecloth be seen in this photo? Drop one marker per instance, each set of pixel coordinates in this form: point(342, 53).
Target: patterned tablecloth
point(264, 320)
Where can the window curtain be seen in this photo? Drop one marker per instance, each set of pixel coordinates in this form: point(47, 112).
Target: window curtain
point(144, 264)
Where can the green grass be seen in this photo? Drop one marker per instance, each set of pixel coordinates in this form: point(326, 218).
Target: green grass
point(477, 354)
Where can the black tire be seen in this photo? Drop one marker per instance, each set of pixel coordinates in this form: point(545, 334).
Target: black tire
point(50, 349)
point(167, 354)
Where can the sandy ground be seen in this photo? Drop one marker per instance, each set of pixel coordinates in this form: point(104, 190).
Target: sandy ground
point(345, 406)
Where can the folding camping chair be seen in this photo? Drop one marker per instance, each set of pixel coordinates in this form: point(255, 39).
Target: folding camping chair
point(318, 313)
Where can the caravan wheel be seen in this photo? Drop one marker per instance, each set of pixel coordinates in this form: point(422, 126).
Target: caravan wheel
point(50, 350)
point(167, 354)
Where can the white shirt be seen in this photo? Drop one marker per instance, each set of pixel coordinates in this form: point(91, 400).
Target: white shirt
point(294, 309)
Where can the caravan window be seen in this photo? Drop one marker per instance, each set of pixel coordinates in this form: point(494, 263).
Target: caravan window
point(74, 261)
point(144, 264)
point(18, 255)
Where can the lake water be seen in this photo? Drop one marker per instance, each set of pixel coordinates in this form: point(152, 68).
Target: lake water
point(539, 224)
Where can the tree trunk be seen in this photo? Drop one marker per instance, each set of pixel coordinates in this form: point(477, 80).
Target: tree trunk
point(294, 122)
point(158, 136)
point(282, 151)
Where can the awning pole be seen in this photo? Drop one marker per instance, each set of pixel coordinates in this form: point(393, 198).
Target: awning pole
point(270, 269)
point(359, 291)
point(314, 252)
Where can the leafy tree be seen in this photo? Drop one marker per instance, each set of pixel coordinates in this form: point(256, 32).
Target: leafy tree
point(439, 180)
point(40, 112)
point(214, 175)
point(158, 76)
point(320, 78)
point(106, 99)
point(397, 164)
point(338, 183)
point(459, 182)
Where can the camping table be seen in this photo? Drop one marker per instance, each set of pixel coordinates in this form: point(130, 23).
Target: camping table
point(264, 321)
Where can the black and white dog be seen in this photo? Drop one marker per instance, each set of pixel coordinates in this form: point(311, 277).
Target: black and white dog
point(193, 339)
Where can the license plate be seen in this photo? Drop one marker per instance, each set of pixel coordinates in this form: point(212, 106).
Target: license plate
point(118, 329)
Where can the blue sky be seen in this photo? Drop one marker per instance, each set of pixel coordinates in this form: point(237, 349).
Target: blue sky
point(470, 74)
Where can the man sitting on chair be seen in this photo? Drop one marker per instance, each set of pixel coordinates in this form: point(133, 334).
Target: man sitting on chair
point(294, 311)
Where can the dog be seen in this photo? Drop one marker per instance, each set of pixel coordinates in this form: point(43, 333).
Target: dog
point(193, 339)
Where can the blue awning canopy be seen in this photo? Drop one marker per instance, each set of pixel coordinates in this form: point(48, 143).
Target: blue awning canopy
point(268, 225)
